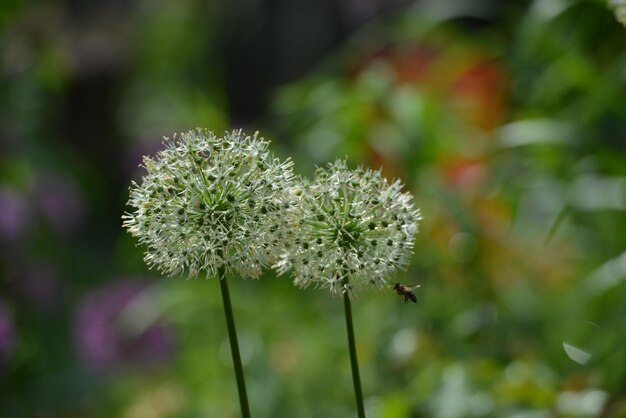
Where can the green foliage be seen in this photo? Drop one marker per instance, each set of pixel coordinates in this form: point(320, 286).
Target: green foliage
point(511, 135)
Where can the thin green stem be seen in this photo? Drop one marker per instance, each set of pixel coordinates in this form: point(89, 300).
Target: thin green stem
point(356, 379)
point(234, 345)
point(558, 221)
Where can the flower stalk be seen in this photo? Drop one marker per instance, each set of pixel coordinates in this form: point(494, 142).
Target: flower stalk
point(214, 205)
point(354, 363)
point(354, 230)
point(234, 344)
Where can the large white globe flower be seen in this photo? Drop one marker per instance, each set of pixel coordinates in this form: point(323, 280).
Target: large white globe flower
point(210, 203)
point(352, 228)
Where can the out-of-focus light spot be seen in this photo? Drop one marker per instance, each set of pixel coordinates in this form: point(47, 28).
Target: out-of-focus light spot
point(457, 398)
point(473, 320)
point(247, 346)
point(576, 354)
point(536, 131)
point(481, 404)
point(391, 405)
point(284, 356)
point(377, 78)
point(452, 399)
point(321, 142)
point(591, 192)
point(587, 403)
point(462, 247)
point(522, 375)
point(140, 313)
point(386, 138)
point(406, 104)
point(403, 344)
point(608, 275)
point(517, 371)
point(547, 9)
point(161, 402)
point(619, 7)
point(103, 342)
point(374, 406)
point(448, 9)
point(466, 175)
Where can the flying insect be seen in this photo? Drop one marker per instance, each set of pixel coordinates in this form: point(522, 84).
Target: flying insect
point(407, 292)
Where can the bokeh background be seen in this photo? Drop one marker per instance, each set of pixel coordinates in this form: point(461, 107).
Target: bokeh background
point(506, 120)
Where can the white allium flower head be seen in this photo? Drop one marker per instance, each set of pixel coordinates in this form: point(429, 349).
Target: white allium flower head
point(210, 202)
point(353, 229)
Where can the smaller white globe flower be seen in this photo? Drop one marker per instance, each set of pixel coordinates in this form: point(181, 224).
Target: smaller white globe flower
point(210, 203)
point(353, 228)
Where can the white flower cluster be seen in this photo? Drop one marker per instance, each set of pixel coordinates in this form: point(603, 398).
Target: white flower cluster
point(353, 228)
point(210, 202)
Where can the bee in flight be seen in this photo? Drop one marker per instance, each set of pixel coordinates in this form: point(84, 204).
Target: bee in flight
point(407, 292)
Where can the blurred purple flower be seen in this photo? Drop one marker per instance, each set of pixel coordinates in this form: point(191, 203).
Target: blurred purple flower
point(60, 202)
point(8, 335)
point(14, 215)
point(106, 332)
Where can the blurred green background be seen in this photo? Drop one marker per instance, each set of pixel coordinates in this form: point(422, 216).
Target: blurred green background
point(506, 120)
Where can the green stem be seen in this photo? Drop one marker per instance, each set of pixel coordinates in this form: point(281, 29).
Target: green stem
point(234, 345)
point(562, 215)
point(356, 379)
